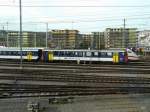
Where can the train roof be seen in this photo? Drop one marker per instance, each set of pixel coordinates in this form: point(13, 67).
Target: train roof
point(81, 50)
point(17, 48)
point(36, 49)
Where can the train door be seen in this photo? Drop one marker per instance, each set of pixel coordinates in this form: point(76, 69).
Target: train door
point(50, 56)
point(115, 57)
point(29, 56)
point(121, 57)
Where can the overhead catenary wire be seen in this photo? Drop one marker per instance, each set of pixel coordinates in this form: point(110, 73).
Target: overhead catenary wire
point(113, 6)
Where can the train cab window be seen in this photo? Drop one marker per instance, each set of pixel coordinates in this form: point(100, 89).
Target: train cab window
point(129, 51)
point(88, 54)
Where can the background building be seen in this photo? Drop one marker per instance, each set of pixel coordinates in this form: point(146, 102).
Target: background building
point(144, 38)
point(71, 39)
point(120, 38)
point(84, 41)
point(64, 39)
point(98, 40)
point(30, 39)
point(3, 38)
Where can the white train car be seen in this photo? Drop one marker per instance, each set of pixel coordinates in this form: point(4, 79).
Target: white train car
point(15, 53)
point(132, 56)
point(87, 55)
point(116, 56)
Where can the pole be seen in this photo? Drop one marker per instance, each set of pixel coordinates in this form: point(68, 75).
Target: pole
point(46, 34)
point(99, 43)
point(35, 40)
point(20, 12)
point(72, 24)
point(124, 33)
point(7, 36)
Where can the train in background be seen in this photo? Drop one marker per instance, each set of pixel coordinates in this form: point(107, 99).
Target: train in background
point(48, 55)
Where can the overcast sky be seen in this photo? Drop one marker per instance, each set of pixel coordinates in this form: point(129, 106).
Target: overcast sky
point(85, 19)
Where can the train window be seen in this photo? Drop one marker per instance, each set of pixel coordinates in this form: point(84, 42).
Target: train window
point(14, 53)
point(18, 53)
point(71, 54)
point(34, 53)
point(76, 54)
point(24, 53)
point(109, 54)
point(61, 53)
point(67, 53)
point(4, 52)
point(80, 54)
point(84, 54)
point(122, 53)
point(56, 53)
point(103, 54)
point(88, 54)
point(92, 54)
point(9, 53)
point(0, 52)
point(95, 54)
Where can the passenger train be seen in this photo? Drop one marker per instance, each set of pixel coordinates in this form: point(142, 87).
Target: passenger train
point(48, 55)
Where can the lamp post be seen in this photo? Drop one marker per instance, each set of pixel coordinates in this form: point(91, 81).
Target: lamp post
point(46, 35)
point(20, 12)
point(7, 36)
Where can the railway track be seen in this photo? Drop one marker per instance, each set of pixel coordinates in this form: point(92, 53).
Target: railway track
point(52, 79)
point(79, 86)
point(136, 63)
point(77, 78)
point(68, 91)
point(83, 66)
point(134, 69)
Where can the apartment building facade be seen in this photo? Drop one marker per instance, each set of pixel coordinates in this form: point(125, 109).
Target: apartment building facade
point(120, 37)
point(64, 39)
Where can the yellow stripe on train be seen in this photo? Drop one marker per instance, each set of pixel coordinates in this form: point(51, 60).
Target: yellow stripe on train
point(50, 56)
point(116, 57)
point(29, 56)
